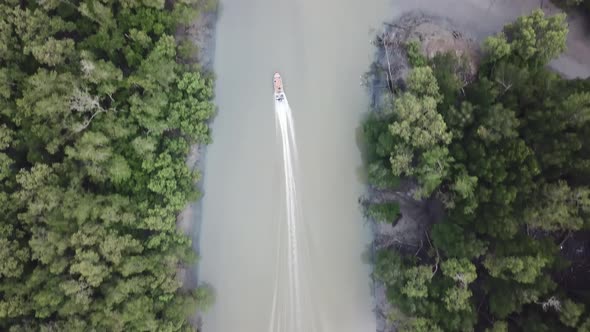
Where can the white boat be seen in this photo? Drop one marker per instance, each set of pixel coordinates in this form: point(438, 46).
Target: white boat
point(278, 85)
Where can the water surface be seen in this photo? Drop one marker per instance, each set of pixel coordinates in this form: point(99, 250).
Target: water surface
point(321, 48)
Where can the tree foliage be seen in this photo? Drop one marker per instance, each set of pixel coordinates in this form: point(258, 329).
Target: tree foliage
point(532, 39)
point(384, 212)
point(96, 120)
point(570, 313)
point(507, 154)
point(417, 137)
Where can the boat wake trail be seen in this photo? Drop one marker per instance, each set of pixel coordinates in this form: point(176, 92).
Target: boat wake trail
point(292, 306)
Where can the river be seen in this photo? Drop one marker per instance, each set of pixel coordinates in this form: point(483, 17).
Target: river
point(321, 48)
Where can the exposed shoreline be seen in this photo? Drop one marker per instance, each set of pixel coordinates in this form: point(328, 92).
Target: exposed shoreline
point(386, 74)
point(407, 231)
point(202, 33)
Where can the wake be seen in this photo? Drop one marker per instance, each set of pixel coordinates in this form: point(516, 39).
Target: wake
point(292, 306)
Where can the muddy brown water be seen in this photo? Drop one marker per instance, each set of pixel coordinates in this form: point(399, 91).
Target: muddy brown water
point(321, 47)
point(321, 69)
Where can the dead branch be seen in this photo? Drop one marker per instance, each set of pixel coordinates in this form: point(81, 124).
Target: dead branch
point(390, 77)
point(567, 236)
point(88, 121)
point(393, 25)
point(421, 244)
point(506, 86)
point(437, 254)
point(388, 242)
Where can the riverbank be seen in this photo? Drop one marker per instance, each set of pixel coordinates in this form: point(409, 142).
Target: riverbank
point(387, 74)
point(202, 33)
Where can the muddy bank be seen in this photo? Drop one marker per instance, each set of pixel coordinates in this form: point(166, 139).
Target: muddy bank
point(202, 34)
point(436, 34)
point(386, 76)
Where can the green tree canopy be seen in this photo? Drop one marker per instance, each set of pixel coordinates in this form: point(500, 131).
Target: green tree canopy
point(507, 155)
point(97, 119)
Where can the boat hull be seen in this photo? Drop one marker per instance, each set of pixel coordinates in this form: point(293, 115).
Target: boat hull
point(278, 87)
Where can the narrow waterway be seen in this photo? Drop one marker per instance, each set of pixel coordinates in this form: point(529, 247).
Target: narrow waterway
point(321, 48)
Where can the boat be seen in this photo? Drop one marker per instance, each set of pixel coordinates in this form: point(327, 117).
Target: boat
point(278, 85)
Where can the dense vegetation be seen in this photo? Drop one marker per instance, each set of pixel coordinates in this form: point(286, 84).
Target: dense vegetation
point(97, 114)
point(508, 154)
point(584, 4)
point(384, 212)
